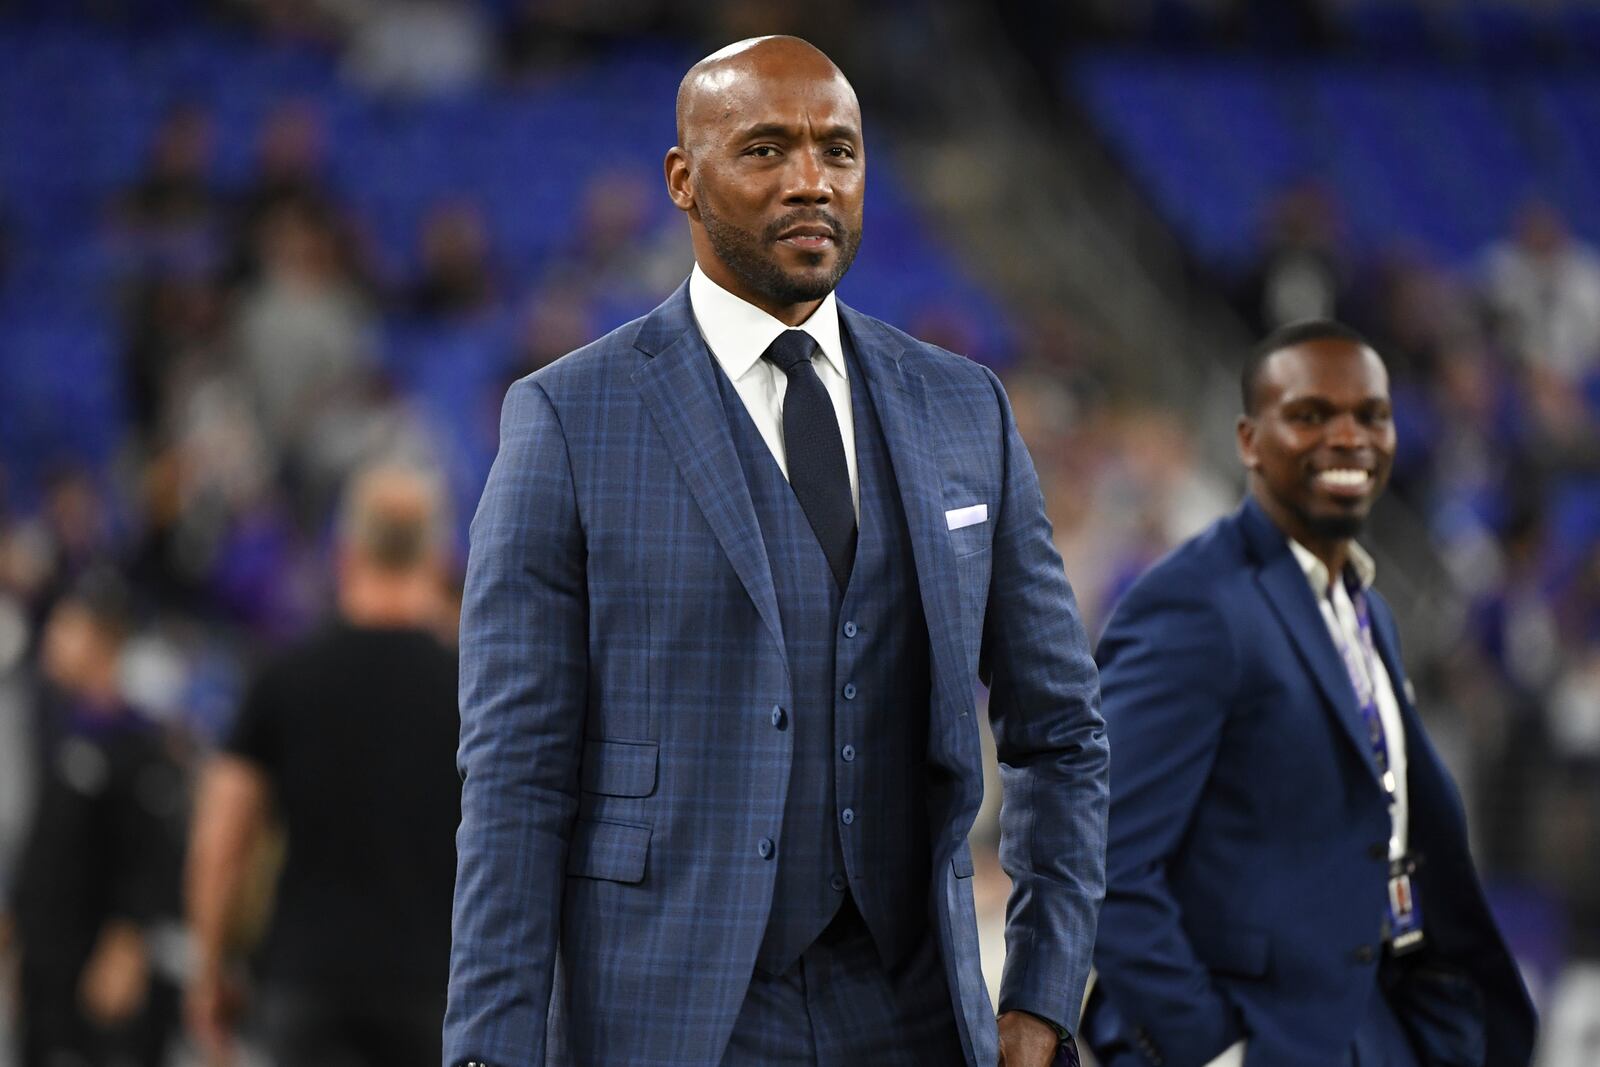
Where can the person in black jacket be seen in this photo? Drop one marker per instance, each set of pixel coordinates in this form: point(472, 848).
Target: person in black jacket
point(96, 897)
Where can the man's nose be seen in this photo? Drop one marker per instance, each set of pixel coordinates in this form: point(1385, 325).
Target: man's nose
point(1346, 431)
point(807, 179)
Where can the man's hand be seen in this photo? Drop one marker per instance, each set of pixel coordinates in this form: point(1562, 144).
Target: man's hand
point(211, 1005)
point(1026, 1040)
point(117, 976)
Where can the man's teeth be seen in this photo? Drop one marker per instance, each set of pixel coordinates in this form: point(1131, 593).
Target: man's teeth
point(1344, 477)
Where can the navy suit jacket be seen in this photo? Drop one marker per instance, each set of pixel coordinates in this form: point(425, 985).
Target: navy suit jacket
point(1248, 852)
point(621, 650)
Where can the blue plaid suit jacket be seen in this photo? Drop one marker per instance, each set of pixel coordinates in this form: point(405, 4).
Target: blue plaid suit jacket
point(622, 650)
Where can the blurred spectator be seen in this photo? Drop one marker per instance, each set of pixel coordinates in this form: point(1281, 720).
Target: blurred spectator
point(555, 320)
point(290, 165)
point(541, 35)
point(1415, 310)
point(46, 554)
point(303, 334)
point(1302, 274)
point(1544, 288)
point(173, 336)
point(96, 896)
point(350, 738)
point(172, 212)
point(621, 247)
point(17, 751)
point(414, 47)
point(457, 276)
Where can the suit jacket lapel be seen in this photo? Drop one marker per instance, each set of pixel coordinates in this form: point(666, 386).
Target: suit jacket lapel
point(1383, 637)
point(680, 392)
point(899, 394)
point(1286, 589)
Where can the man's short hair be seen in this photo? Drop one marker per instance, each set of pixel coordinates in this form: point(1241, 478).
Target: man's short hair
point(393, 516)
point(1295, 333)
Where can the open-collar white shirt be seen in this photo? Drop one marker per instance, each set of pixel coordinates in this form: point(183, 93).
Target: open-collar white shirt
point(737, 332)
point(1339, 615)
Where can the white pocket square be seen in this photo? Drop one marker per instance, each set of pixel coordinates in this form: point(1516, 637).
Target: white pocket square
point(960, 517)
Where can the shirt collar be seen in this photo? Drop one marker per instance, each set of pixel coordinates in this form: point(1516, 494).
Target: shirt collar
point(737, 331)
point(1361, 560)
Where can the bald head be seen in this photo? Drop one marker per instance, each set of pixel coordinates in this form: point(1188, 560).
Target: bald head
point(769, 170)
point(712, 87)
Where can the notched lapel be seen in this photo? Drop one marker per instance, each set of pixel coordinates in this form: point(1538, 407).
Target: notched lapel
point(899, 393)
point(680, 393)
point(1285, 586)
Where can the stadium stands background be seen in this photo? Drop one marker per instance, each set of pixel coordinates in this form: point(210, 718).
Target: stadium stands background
point(433, 199)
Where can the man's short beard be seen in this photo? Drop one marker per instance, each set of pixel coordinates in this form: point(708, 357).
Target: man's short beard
point(1336, 527)
point(751, 260)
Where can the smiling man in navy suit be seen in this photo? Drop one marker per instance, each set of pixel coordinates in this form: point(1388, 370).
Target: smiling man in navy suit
point(735, 571)
point(1289, 882)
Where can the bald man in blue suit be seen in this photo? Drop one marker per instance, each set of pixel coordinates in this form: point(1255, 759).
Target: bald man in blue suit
point(736, 570)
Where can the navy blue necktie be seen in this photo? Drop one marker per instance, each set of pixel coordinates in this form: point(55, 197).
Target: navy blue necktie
point(815, 450)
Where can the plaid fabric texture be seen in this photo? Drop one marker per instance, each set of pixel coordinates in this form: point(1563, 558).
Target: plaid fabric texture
point(621, 654)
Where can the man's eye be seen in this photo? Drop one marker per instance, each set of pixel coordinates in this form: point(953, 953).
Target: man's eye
point(763, 151)
point(1306, 418)
point(842, 152)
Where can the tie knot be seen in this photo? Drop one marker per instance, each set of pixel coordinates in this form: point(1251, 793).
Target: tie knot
point(790, 349)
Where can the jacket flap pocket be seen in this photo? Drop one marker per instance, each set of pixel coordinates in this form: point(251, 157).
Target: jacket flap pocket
point(619, 768)
point(1235, 950)
point(961, 862)
point(614, 851)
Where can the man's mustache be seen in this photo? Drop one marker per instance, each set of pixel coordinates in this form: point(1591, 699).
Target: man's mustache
point(812, 217)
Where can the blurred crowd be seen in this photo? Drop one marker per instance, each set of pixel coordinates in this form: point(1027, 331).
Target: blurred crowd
point(137, 599)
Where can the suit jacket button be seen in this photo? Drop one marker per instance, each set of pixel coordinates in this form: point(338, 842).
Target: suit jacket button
point(1364, 954)
point(764, 848)
point(1379, 851)
point(780, 718)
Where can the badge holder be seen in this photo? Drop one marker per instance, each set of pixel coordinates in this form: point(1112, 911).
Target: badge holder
point(1403, 933)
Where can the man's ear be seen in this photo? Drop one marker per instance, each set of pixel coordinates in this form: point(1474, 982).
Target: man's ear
point(1244, 439)
point(680, 186)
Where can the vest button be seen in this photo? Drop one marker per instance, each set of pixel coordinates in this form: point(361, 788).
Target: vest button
point(847, 816)
point(850, 629)
point(1379, 850)
point(1364, 954)
point(849, 690)
point(764, 848)
point(838, 883)
point(848, 753)
point(780, 718)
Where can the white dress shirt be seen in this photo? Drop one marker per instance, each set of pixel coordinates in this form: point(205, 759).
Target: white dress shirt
point(737, 332)
point(1339, 615)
